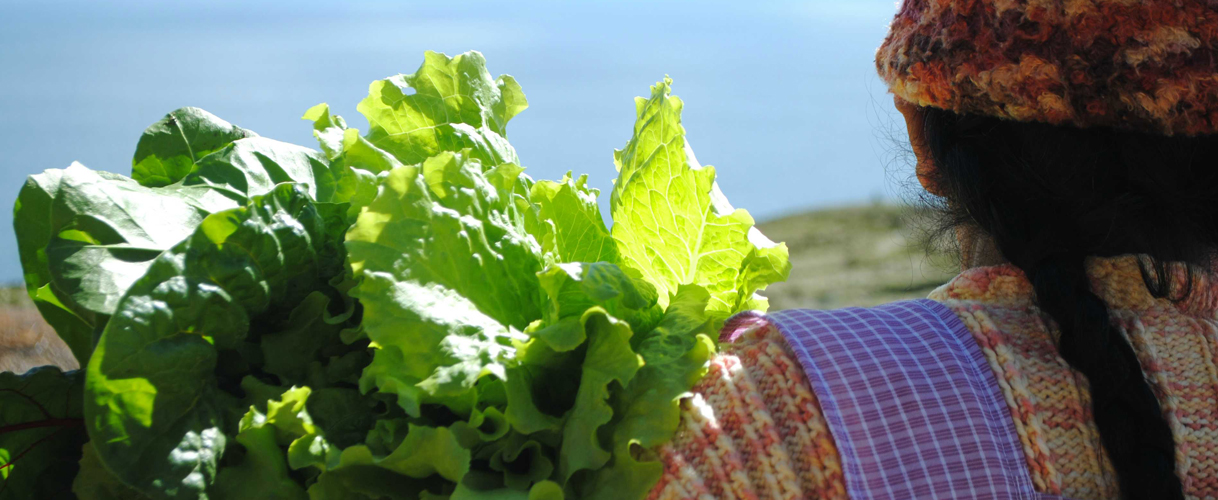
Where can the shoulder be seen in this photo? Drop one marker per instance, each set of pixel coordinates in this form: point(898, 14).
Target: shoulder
point(752, 427)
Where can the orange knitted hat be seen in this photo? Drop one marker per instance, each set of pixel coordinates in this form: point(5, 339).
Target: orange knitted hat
point(1148, 65)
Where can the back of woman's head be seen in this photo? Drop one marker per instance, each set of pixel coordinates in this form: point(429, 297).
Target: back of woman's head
point(1051, 196)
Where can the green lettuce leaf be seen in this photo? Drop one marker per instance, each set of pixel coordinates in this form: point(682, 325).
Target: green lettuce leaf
point(573, 227)
point(41, 433)
point(545, 490)
point(359, 166)
point(160, 397)
point(170, 149)
point(609, 360)
point(424, 459)
point(449, 104)
point(648, 411)
point(672, 223)
point(448, 280)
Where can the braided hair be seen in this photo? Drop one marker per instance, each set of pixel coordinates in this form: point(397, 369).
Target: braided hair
point(1051, 196)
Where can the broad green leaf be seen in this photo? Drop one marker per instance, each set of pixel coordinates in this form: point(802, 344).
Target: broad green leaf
point(34, 228)
point(575, 230)
point(157, 400)
point(95, 482)
point(254, 166)
point(41, 433)
point(85, 236)
point(449, 104)
point(106, 230)
point(170, 148)
point(673, 224)
point(72, 293)
point(448, 281)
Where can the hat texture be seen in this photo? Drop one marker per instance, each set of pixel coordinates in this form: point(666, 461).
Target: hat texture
point(1147, 65)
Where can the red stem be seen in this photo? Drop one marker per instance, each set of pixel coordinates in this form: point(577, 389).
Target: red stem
point(50, 422)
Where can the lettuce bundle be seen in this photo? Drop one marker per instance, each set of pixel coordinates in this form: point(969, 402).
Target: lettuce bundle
point(403, 314)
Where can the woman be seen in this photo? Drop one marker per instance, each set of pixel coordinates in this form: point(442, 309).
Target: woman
point(1071, 144)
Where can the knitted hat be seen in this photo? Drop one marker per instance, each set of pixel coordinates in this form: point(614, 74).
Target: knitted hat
point(1148, 65)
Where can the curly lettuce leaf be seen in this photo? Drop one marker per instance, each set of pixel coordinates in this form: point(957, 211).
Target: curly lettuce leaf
point(171, 148)
point(449, 104)
point(159, 400)
point(672, 223)
point(545, 490)
point(41, 433)
point(647, 412)
point(574, 287)
point(573, 227)
point(425, 460)
point(359, 166)
point(448, 280)
point(609, 361)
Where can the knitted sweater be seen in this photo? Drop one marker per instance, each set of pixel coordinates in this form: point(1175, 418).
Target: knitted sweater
point(753, 428)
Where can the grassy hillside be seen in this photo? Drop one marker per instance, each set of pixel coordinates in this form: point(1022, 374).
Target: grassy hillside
point(858, 256)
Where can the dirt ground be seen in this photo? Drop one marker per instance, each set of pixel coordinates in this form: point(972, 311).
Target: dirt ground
point(26, 340)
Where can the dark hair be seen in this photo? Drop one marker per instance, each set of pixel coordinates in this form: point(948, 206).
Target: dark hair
point(1051, 196)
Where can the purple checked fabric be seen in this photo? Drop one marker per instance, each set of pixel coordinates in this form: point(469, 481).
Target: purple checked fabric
point(910, 400)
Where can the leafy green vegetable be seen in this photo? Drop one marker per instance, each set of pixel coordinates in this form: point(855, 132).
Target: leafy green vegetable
point(449, 281)
point(573, 226)
point(95, 482)
point(32, 222)
point(85, 236)
point(403, 315)
point(41, 433)
point(161, 394)
point(170, 149)
point(454, 105)
point(673, 224)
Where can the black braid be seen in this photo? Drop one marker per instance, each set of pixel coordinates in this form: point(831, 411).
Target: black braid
point(1052, 196)
point(1129, 417)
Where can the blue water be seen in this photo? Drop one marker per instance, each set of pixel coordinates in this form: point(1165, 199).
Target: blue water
point(781, 97)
